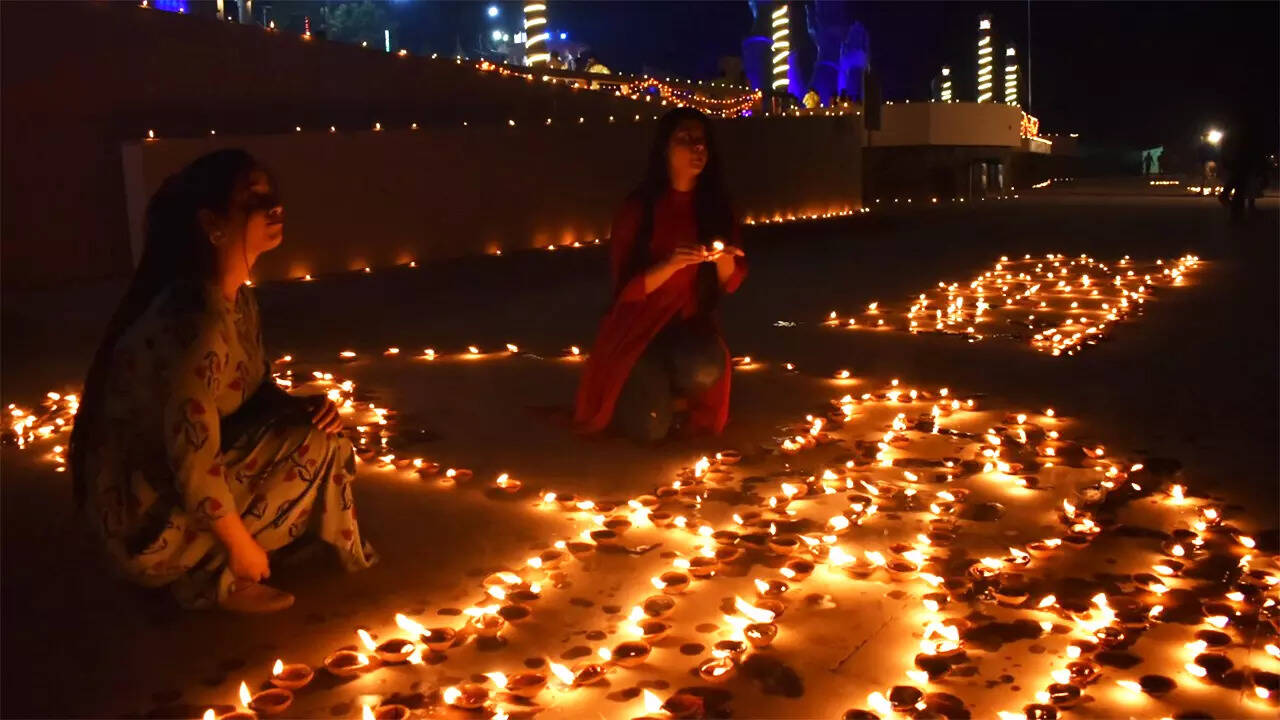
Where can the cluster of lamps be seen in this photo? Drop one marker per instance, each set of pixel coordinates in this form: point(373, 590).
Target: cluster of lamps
point(801, 524)
point(1065, 303)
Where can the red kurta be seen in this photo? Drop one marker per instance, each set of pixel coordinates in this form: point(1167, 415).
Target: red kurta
point(635, 318)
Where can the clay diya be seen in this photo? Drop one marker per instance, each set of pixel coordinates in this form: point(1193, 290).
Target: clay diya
point(783, 544)
point(395, 650)
point(346, 663)
point(271, 702)
point(777, 607)
point(292, 676)
point(672, 582)
point(683, 705)
point(1156, 685)
point(487, 625)
point(651, 631)
point(515, 612)
point(661, 518)
point(589, 673)
point(728, 457)
point(703, 567)
point(724, 537)
point(728, 555)
point(1037, 711)
point(630, 653)
point(526, 684)
point(605, 538)
point(1084, 672)
point(771, 588)
point(617, 524)
point(1213, 666)
point(439, 639)
point(905, 697)
point(467, 696)
point(658, 606)
point(391, 712)
point(797, 569)
point(900, 569)
point(760, 635)
point(551, 558)
point(717, 669)
point(1064, 695)
point(580, 549)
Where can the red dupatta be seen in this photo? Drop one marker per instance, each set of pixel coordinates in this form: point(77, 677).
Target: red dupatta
point(636, 318)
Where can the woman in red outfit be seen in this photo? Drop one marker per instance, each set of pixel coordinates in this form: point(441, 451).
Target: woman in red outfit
point(659, 366)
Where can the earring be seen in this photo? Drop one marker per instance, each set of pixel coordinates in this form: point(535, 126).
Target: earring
point(216, 238)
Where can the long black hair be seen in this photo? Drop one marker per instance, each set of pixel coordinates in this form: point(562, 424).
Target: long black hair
point(176, 250)
point(712, 210)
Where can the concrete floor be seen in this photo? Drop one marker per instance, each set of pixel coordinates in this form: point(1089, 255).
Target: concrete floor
point(1194, 379)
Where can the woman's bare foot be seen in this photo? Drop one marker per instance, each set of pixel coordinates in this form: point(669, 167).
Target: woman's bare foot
point(257, 598)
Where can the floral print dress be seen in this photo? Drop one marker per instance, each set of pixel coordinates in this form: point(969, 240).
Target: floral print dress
point(159, 474)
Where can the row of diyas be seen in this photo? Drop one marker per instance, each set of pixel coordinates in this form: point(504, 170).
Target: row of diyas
point(1088, 295)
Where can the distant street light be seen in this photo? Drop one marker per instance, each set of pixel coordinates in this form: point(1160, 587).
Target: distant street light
point(497, 35)
point(1214, 136)
point(493, 11)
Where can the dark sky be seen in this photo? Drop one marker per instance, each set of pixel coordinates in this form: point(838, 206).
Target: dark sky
point(1117, 73)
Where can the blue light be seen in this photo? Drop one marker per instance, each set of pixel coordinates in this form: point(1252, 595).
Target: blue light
point(564, 36)
point(493, 11)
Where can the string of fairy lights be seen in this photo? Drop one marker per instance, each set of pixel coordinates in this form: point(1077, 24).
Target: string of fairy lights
point(905, 497)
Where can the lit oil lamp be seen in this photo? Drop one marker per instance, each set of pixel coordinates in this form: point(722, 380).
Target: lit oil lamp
point(904, 698)
point(507, 484)
point(797, 569)
point(526, 684)
point(630, 653)
point(439, 639)
point(346, 663)
point(292, 676)
point(783, 544)
point(580, 549)
point(395, 650)
point(272, 701)
point(605, 538)
point(467, 696)
point(771, 588)
point(652, 630)
point(672, 582)
point(719, 668)
point(386, 712)
point(703, 567)
point(1064, 695)
point(485, 622)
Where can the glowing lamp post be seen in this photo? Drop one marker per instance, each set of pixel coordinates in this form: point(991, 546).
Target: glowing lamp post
point(1010, 76)
point(1213, 137)
point(984, 59)
point(535, 28)
point(781, 46)
point(944, 92)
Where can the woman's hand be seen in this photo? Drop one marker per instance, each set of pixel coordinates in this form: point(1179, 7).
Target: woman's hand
point(687, 255)
point(724, 258)
point(248, 561)
point(324, 415)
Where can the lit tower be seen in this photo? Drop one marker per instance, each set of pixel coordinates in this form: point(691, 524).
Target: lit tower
point(1010, 76)
point(535, 30)
point(781, 46)
point(984, 58)
point(944, 93)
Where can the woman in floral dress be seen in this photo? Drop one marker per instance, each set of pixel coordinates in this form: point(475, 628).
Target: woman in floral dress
point(190, 462)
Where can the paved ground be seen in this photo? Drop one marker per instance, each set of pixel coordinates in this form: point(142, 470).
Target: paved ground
point(1194, 379)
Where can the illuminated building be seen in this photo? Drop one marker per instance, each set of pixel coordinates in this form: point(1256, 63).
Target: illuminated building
point(781, 46)
point(536, 36)
point(944, 91)
point(985, 93)
point(1010, 77)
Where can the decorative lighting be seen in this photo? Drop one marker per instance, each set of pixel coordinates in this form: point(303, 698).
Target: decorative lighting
point(984, 58)
point(1010, 76)
point(535, 27)
point(944, 93)
point(781, 46)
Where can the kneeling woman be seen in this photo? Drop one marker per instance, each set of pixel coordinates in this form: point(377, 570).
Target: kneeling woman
point(190, 462)
point(659, 366)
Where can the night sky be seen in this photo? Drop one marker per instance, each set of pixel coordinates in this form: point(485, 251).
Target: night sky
point(1138, 74)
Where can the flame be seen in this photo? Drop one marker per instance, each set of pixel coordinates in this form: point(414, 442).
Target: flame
point(839, 557)
point(1061, 676)
point(450, 695)
point(879, 704)
point(245, 697)
point(209, 715)
point(366, 713)
point(1196, 670)
point(410, 625)
point(756, 614)
point(499, 679)
point(874, 557)
point(1047, 601)
point(1218, 621)
point(562, 673)
point(652, 703)
point(761, 585)
point(366, 639)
